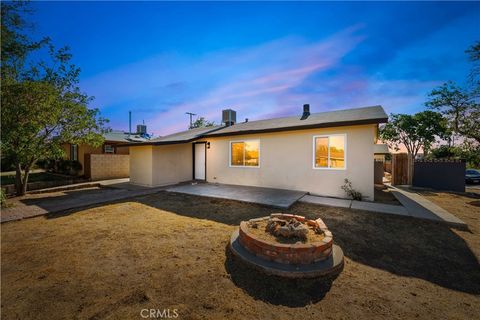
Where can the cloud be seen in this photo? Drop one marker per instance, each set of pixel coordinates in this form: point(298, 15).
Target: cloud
point(257, 81)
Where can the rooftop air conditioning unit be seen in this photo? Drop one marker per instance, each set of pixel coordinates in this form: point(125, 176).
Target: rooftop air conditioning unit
point(229, 117)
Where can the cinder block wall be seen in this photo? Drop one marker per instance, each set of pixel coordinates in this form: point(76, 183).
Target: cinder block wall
point(109, 166)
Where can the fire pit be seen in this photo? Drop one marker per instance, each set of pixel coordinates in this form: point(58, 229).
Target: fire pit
point(287, 245)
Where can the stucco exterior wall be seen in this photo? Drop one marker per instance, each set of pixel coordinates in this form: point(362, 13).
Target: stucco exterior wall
point(160, 165)
point(286, 162)
point(172, 164)
point(141, 165)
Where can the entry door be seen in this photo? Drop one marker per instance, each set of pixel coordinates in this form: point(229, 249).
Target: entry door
point(200, 161)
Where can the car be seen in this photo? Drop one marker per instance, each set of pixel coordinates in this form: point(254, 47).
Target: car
point(472, 176)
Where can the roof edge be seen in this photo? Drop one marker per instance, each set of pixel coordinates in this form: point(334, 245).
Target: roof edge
point(247, 132)
point(302, 127)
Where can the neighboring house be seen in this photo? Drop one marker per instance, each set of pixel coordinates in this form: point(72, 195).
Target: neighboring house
point(111, 146)
point(310, 152)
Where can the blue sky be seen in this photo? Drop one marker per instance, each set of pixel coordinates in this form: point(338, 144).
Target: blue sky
point(162, 59)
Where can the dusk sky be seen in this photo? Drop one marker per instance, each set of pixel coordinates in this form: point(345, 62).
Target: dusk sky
point(263, 60)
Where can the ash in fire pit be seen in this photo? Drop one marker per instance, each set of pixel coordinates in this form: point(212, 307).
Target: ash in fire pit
point(291, 228)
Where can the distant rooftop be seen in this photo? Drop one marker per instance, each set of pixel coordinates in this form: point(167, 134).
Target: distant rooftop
point(122, 136)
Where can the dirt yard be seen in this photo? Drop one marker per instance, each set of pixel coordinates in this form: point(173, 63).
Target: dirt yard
point(169, 251)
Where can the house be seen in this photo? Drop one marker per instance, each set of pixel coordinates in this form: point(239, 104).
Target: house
point(111, 146)
point(309, 152)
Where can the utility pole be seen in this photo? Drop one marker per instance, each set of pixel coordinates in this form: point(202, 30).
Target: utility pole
point(191, 115)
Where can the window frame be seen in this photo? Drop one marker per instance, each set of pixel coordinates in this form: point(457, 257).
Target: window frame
point(344, 135)
point(243, 141)
point(105, 148)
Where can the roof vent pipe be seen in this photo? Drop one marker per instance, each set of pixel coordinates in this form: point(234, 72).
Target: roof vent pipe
point(306, 111)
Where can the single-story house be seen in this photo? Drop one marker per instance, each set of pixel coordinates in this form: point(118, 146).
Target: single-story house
point(113, 145)
point(310, 152)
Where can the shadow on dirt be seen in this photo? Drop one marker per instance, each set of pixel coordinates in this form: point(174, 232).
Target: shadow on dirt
point(273, 289)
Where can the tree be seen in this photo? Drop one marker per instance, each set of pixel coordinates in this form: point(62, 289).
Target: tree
point(474, 56)
point(42, 105)
point(415, 132)
point(459, 107)
point(202, 122)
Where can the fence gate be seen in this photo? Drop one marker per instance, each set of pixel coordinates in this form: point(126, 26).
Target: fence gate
point(400, 169)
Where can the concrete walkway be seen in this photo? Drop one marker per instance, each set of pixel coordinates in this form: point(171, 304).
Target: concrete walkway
point(60, 199)
point(413, 205)
point(278, 198)
point(360, 205)
point(420, 207)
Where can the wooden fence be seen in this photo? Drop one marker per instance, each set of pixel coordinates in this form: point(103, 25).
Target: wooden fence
point(402, 169)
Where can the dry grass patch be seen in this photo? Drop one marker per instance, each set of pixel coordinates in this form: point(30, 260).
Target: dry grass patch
point(169, 251)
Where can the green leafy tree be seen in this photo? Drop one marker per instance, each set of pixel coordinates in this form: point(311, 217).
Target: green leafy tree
point(415, 132)
point(202, 122)
point(459, 107)
point(42, 105)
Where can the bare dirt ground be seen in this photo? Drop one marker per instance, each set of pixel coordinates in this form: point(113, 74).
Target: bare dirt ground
point(170, 251)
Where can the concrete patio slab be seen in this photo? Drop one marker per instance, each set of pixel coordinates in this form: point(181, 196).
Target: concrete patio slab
point(325, 201)
point(380, 207)
point(278, 198)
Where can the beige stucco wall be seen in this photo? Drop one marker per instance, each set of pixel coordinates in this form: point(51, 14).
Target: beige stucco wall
point(160, 165)
point(286, 162)
point(109, 166)
point(172, 164)
point(141, 165)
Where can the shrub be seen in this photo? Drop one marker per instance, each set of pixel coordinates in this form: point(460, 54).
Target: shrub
point(69, 167)
point(3, 198)
point(352, 193)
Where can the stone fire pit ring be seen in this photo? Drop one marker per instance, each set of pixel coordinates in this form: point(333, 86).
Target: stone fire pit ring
point(292, 260)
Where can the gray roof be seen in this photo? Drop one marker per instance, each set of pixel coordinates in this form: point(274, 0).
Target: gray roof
point(121, 136)
point(367, 115)
point(185, 136)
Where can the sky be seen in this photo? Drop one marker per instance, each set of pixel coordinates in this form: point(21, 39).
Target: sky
point(162, 59)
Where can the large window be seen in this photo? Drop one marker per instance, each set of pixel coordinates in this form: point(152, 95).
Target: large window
point(329, 152)
point(245, 153)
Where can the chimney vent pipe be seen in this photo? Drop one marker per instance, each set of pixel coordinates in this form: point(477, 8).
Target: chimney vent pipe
point(306, 112)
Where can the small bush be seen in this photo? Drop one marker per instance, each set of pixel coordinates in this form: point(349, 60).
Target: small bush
point(68, 167)
point(352, 193)
point(3, 198)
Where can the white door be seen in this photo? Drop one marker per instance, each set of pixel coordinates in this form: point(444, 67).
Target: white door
point(200, 161)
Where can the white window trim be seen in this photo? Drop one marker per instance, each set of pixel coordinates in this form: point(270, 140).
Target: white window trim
point(328, 136)
point(230, 154)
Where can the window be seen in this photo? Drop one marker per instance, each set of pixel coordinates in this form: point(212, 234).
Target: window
point(74, 152)
point(329, 152)
point(245, 153)
point(109, 148)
